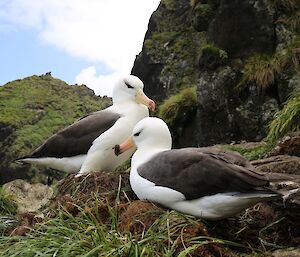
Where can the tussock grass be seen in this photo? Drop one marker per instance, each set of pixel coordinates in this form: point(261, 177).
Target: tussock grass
point(288, 4)
point(178, 105)
point(7, 204)
point(104, 223)
point(263, 69)
point(292, 20)
point(7, 222)
point(287, 119)
point(85, 235)
point(8, 208)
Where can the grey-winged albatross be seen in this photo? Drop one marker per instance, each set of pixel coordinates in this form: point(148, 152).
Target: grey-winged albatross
point(204, 182)
point(87, 144)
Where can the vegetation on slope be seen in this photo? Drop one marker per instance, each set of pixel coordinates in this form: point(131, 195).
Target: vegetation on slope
point(253, 152)
point(7, 204)
point(287, 119)
point(86, 235)
point(263, 70)
point(179, 105)
point(8, 208)
point(37, 106)
point(34, 108)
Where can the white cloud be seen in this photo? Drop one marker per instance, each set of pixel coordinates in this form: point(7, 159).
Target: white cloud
point(101, 84)
point(106, 31)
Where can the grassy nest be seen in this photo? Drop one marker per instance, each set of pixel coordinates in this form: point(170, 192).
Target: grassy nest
point(98, 215)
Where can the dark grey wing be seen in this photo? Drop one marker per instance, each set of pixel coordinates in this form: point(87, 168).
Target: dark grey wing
point(230, 156)
point(77, 138)
point(196, 173)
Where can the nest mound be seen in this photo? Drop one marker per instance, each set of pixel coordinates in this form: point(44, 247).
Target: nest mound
point(262, 225)
point(111, 186)
point(107, 196)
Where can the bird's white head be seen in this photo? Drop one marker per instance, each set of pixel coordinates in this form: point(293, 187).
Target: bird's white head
point(130, 88)
point(152, 131)
point(148, 133)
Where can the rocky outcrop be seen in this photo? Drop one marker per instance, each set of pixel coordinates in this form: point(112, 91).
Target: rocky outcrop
point(286, 253)
point(28, 197)
point(170, 50)
point(206, 44)
point(224, 115)
point(289, 144)
point(279, 164)
point(243, 27)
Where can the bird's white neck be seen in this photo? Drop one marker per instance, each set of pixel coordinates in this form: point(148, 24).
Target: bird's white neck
point(131, 107)
point(138, 183)
point(120, 101)
point(144, 154)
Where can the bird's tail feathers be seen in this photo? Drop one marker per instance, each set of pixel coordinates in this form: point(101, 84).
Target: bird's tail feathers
point(21, 160)
point(280, 177)
point(260, 194)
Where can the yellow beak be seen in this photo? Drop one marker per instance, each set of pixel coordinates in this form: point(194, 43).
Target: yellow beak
point(143, 99)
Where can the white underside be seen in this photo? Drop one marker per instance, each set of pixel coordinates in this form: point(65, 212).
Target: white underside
point(101, 155)
point(212, 207)
point(66, 164)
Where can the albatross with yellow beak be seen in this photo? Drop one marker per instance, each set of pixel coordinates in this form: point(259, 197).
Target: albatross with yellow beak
point(86, 145)
point(204, 182)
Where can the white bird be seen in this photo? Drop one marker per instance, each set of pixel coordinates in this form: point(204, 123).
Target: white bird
point(204, 182)
point(87, 145)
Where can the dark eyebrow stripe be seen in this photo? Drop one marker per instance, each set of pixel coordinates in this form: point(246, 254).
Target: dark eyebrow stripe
point(128, 85)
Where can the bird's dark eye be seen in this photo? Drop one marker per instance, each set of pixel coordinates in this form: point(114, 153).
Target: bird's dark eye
point(128, 85)
point(137, 134)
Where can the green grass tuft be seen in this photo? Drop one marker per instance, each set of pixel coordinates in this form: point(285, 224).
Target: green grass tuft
point(250, 153)
point(86, 235)
point(287, 119)
point(7, 204)
point(177, 105)
point(263, 69)
point(213, 50)
point(8, 208)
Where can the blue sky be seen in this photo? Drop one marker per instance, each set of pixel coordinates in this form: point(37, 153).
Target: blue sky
point(22, 54)
point(92, 42)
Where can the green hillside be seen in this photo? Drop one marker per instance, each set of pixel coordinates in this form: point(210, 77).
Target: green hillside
point(31, 110)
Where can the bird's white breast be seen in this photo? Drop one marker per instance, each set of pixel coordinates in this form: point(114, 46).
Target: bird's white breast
point(101, 154)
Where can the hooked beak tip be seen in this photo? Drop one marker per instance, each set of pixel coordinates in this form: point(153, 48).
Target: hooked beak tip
point(152, 105)
point(117, 150)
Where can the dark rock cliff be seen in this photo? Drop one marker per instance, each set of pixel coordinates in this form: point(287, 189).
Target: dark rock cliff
point(233, 52)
